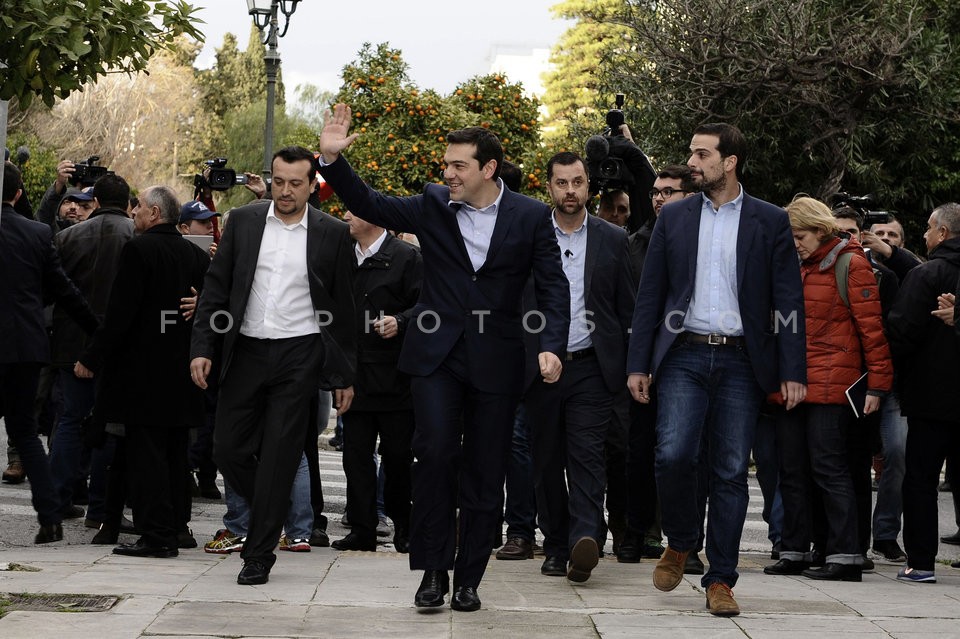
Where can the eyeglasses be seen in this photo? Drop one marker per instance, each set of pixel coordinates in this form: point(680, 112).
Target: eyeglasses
point(666, 192)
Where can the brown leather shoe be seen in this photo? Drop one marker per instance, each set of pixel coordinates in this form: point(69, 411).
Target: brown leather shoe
point(14, 473)
point(720, 600)
point(668, 572)
point(516, 548)
point(584, 557)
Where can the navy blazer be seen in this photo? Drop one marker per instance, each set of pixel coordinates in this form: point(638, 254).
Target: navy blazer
point(31, 275)
point(768, 283)
point(484, 306)
point(610, 293)
point(227, 286)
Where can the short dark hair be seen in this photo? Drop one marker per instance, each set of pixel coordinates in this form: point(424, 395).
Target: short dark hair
point(606, 197)
point(511, 175)
point(112, 191)
point(565, 158)
point(486, 141)
point(849, 213)
point(291, 154)
point(732, 142)
point(12, 181)
point(679, 172)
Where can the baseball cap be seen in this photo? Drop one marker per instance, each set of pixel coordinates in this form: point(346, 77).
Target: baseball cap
point(195, 210)
point(76, 195)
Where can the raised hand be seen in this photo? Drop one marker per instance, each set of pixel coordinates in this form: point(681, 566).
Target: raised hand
point(334, 138)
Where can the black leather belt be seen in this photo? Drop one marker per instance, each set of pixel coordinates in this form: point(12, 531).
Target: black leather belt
point(713, 339)
point(573, 356)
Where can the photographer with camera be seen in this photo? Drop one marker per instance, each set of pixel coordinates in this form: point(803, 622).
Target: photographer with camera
point(614, 162)
point(885, 239)
point(61, 206)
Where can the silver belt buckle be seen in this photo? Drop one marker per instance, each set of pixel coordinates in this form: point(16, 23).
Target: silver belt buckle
point(714, 339)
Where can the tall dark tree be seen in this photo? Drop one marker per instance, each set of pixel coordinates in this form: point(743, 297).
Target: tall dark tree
point(854, 95)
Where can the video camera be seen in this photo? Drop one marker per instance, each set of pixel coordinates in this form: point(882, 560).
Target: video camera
point(220, 178)
point(86, 172)
point(863, 205)
point(616, 163)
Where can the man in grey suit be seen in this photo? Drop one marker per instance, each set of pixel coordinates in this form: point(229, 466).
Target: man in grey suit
point(279, 294)
point(569, 420)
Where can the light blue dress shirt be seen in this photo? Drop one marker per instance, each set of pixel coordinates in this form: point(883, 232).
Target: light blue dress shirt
point(573, 253)
point(714, 307)
point(476, 227)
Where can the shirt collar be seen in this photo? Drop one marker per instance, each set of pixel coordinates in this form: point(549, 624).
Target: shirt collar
point(273, 215)
point(736, 202)
point(371, 250)
point(556, 228)
point(492, 208)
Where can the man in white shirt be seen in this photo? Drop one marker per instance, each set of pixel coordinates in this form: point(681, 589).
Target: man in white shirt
point(278, 292)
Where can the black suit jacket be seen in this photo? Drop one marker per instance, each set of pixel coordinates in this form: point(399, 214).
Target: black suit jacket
point(610, 293)
point(30, 273)
point(141, 353)
point(483, 307)
point(768, 283)
point(230, 277)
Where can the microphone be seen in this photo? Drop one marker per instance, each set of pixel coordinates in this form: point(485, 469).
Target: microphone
point(597, 148)
point(568, 253)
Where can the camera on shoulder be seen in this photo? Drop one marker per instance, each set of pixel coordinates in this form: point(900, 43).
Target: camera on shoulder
point(219, 177)
point(86, 172)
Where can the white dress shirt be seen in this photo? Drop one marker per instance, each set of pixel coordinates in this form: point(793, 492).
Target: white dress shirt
point(280, 305)
point(371, 250)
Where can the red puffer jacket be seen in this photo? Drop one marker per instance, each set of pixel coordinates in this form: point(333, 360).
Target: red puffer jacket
point(841, 340)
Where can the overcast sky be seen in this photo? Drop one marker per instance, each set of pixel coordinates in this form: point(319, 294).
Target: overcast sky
point(443, 42)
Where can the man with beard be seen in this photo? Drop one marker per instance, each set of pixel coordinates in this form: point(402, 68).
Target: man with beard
point(719, 321)
point(569, 419)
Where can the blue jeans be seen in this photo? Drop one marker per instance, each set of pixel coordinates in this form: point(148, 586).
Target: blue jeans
point(520, 507)
point(67, 443)
point(299, 523)
point(707, 391)
point(893, 434)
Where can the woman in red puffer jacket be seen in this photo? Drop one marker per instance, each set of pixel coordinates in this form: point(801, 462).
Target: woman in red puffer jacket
point(843, 340)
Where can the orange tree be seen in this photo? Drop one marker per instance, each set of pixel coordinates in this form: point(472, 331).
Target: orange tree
point(403, 128)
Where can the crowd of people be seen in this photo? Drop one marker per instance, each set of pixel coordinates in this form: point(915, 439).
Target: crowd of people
point(613, 375)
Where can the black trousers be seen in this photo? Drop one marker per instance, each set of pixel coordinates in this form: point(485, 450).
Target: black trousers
point(569, 421)
point(157, 472)
point(460, 444)
point(262, 419)
point(641, 480)
point(928, 444)
point(360, 430)
point(18, 387)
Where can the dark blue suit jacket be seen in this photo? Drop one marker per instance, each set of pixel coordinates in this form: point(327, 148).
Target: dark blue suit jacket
point(30, 277)
point(609, 290)
point(768, 283)
point(482, 306)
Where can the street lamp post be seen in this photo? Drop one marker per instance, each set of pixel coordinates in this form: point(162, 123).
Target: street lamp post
point(264, 13)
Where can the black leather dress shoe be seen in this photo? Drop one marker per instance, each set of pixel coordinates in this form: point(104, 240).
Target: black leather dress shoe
point(786, 567)
point(465, 599)
point(319, 538)
point(434, 585)
point(835, 572)
point(401, 539)
point(143, 549)
point(693, 564)
point(106, 536)
point(48, 533)
point(554, 567)
point(629, 550)
point(953, 539)
point(354, 541)
point(253, 573)
point(516, 548)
